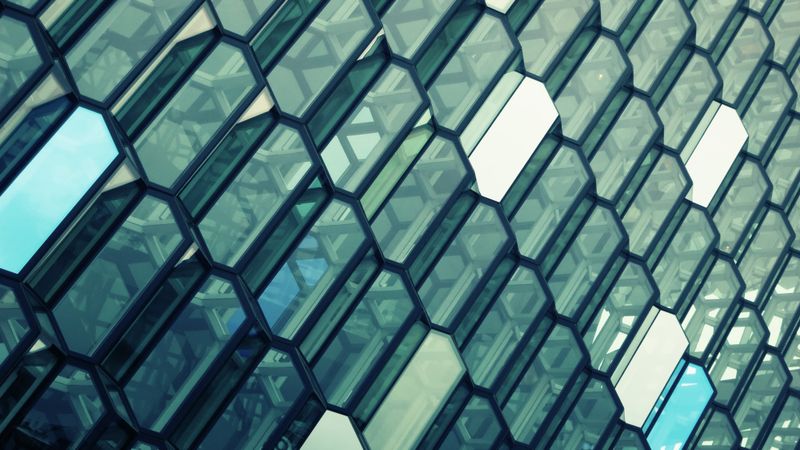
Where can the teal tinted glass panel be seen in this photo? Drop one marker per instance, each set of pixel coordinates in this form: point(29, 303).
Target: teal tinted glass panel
point(419, 199)
point(589, 87)
point(197, 111)
point(364, 338)
point(546, 205)
point(368, 134)
point(416, 397)
point(251, 200)
point(13, 325)
point(318, 54)
point(504, 326)
point(548, 31)
point(19, 57)
point(184, 353)
point(470, 71)
point(651, 207)
point(542, 384)
point(118, 42)
point(260, 405)
point(624, 145)
point(687, 100)
point(409, 23)
point(618, 316)
point(682, 410)
point(587, 256)
point(67, 411)
point(113, 280)
point(659, 41)
point(52, 183)
point(239, 16)
point(311, 269)
point(463, 264)
point(741, 58)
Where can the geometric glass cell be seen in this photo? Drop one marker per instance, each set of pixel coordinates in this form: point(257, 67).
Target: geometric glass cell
point(52, 184)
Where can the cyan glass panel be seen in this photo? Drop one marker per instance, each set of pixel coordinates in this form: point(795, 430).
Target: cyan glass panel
point(654, 203)
point(586, 92)
point(408, 24)
point(251, 200)
point(547, 203)
point(588, 255)
point(368, 133)
point(417, 395)
point(259, 406)
point(311, 269)
point(239, 16)
point(50, 186)
point(547, 32)
point(465, 261)
point(542, 383)
point(364, 338)
point(195, 113)
point(419, 199)
point(118, 41)
point(682, 410)
point(470, 71)
point(658, 43)
point(13, 325)
point(184, 354)
point(19, 58)
point(67, 410)
point(113, 280)
point(620, 313)
point(504, 326)
point(313, 60)
point(624, 145)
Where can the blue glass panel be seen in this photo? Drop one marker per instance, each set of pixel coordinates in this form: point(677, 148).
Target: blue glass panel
point(682, 411)
point(51, 185)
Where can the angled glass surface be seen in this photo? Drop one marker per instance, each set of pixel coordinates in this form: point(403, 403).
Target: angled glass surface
point(184, 353)
point(251, 200)
point(318, 54)
point(417, 395)
point(118, 41)
point(682, 409)
point(113, 280)
point(52, 184)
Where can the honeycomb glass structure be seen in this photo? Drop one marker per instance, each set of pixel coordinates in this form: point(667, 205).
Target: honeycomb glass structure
point(399, 224)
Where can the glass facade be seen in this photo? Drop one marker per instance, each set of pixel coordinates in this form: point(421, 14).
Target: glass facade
point(399, 224)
